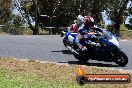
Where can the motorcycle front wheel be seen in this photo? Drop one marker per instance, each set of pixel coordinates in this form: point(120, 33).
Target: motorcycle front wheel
point(120, 58)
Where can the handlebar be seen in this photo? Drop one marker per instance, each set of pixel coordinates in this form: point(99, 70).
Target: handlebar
point(62, 33)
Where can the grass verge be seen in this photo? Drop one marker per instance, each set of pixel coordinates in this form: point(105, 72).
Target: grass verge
point(32, 74)
point(126, 34)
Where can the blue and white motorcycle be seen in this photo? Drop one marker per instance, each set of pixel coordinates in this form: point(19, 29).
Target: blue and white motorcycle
point(109, 48)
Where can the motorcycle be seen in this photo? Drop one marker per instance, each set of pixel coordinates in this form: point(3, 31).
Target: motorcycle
point(109, 47)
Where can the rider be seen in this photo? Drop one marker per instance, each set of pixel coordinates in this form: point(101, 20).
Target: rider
point(77, 23)
point(88, 23)
point(74, 28)
point(84, 24)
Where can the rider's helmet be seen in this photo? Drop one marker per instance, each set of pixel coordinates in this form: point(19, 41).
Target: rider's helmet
point(80, 20)
point(80, 17)
point(89, 21)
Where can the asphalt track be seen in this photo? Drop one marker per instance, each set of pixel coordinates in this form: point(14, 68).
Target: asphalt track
point(50, 48)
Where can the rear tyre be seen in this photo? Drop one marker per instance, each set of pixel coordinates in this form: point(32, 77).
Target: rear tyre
point(120, 58)
point(83, 57)
point(65, 42)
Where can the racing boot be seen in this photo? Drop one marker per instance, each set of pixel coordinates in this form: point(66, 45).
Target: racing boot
point(81, 50)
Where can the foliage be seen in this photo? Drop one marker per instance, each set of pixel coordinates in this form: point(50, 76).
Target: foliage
point(59, 12)
point(67, 10)
point(129, 10)
point(23, 7)
point(13, 26)
point(130, 7)
point(130, 20)
point(11, 23)
point(63, 12)
point(130, 24)
point(5, 10)
point(116, 10)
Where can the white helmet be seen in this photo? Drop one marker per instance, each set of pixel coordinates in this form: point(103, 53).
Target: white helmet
point(80, 20)
point(80, 17)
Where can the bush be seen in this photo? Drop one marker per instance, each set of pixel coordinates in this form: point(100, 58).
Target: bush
point(110, 28)
point(128, 26)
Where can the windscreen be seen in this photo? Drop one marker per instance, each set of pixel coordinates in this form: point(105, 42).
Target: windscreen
point(106, 34)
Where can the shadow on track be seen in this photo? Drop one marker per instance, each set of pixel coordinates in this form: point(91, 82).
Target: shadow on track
point(90, 64)
point(63, 51)
point(87, 63)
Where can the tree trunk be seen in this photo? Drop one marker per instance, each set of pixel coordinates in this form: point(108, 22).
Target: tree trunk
point(35, 31)
point(117, 26)
point(117, 29)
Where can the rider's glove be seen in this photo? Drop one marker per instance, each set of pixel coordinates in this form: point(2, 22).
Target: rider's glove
point(93, 36)
point(85, 36)
point(83, 48)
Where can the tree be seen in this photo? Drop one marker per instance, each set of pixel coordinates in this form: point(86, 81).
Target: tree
point(58, 11)
point(13, 26)
point(29, 11)
point(66, 10)
point(16, 22)
point(94, 8)
point(116, 11)
point(130, 7)
point(62, 12)
point(5, 10)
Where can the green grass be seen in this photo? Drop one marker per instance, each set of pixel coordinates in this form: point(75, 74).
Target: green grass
point(32, 74)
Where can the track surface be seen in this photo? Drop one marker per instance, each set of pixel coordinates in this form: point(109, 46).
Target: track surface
point(51, 48)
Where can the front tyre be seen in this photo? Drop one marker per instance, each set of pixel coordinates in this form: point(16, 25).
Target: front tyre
point(120, 58)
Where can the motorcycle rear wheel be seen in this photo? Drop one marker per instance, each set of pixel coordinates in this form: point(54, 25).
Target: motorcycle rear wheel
point(65, 42)
point(81, 58)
